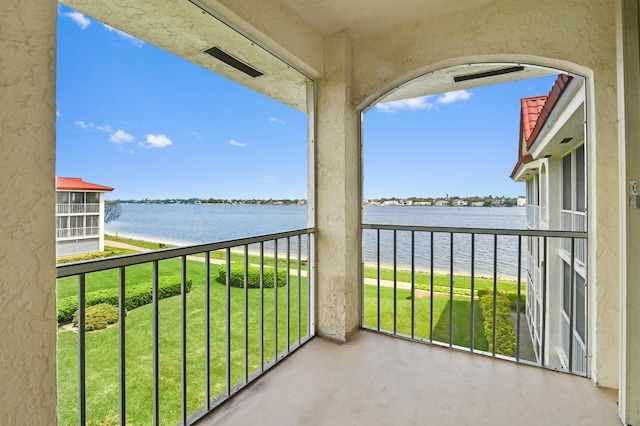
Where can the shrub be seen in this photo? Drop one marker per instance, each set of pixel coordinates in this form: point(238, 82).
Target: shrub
point(505, 334)
point(108, 252)
point(236, 277)
point(134, 296)
point(98, 316)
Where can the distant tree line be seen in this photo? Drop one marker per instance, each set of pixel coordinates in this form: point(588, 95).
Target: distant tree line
point(487, 201)
point(213, 201)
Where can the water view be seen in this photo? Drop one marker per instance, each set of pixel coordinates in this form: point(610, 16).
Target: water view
point(186, 224)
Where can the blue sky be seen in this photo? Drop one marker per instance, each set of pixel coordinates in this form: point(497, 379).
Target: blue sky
point(152, 125)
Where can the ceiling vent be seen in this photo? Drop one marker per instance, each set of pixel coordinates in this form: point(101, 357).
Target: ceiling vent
point(486, 74)
point(566, 140)
point(233, 62)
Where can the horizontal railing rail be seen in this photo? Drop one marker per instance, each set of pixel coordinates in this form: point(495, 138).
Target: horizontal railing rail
point(497, 292)
point(178, 357)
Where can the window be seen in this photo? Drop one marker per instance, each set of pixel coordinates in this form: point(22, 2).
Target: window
point(566, 289)
point(580, 180)
point(93, 197)
point(77, 197)
point(581, 320)
point(61, 222)
point(62, 197)
point(566, 182)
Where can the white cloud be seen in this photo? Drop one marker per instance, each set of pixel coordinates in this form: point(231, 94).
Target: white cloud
point(77, 17)
point(58, 113)
point(276, 120)
point(236, 143)
point(421, 102)
point(157, 141)
point(105, 128)
point(451, 97)
point(124, 36)
point(83, 125)
point(196, 135)
point(121, 136)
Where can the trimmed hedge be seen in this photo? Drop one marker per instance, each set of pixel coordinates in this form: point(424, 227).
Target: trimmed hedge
point(98, 317)
point(236, 278)
point(108, 252)
point(134, 296)
point(505, 333)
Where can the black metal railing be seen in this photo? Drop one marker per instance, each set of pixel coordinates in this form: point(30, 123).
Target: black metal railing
point(179, 357)
point(506, 293)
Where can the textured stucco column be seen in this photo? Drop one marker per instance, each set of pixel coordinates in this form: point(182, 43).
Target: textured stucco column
point(27, 228)
point(629, 107)
point(338, 201)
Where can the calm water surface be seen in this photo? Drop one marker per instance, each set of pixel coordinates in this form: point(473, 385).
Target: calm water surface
point(185, 224)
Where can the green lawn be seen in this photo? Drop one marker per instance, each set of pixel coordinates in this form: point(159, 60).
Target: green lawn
point(102, 352)
point(422, 317)
point(102, 346)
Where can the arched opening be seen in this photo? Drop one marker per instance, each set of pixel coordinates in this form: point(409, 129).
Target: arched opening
point(454, 225)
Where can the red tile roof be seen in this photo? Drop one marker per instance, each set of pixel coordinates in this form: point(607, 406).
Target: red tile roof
point(73, 183)
point(534, 112)
point(552, 99)
point(530, 109)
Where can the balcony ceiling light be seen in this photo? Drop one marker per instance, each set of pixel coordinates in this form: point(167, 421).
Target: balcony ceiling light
point(233, 62)
point(486, 74)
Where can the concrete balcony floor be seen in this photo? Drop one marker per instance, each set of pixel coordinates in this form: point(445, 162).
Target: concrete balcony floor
point(381, 380)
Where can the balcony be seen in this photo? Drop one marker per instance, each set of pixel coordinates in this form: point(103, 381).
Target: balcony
point(78, 208)
point(217, 340)
point(379, 380)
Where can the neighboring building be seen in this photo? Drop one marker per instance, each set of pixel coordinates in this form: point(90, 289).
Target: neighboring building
point(552, 163)
point(477, 204)
point(79, 216)
point(459, 203)
point(521, 202)
point(442, 203)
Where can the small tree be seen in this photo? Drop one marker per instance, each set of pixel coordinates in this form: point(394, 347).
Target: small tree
point(112, 210)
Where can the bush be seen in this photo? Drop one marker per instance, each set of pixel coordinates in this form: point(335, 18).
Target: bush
point(134, 296)
point(98, 317)
point(108, 252)
point(236, 278)
point(505, 334)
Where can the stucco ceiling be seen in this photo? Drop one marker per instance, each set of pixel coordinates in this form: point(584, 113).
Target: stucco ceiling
point(365, 17)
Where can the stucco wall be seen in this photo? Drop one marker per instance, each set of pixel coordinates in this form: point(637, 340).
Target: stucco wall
point(338, 197)
point(27, 229)
point(578, 36)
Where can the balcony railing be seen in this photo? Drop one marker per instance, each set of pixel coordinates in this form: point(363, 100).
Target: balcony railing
point(177, 358)
point(485, 291)
point(78, 232)
point(78, 208)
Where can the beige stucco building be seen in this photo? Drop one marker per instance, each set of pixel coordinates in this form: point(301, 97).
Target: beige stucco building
point(354, 53)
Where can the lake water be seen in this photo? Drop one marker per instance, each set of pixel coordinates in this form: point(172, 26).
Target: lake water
point(186, 224)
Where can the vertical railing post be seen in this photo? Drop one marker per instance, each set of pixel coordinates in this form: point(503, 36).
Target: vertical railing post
point(261, 306)
point(451, 289)
point(572, 301)
point(156, 351)
point(518, 298)
point(228, 322)
point(395, 282)
point(495, 290)
point(183, 336)
point(473, 292)
point(246, 313)
point(431, 287)
point(544, 302)
point(82, 351)
point(413, 284)
point(207, 327)
point(122, 356)
point(378, 269)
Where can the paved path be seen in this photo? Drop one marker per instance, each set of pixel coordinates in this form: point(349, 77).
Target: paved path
point(368, 281)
